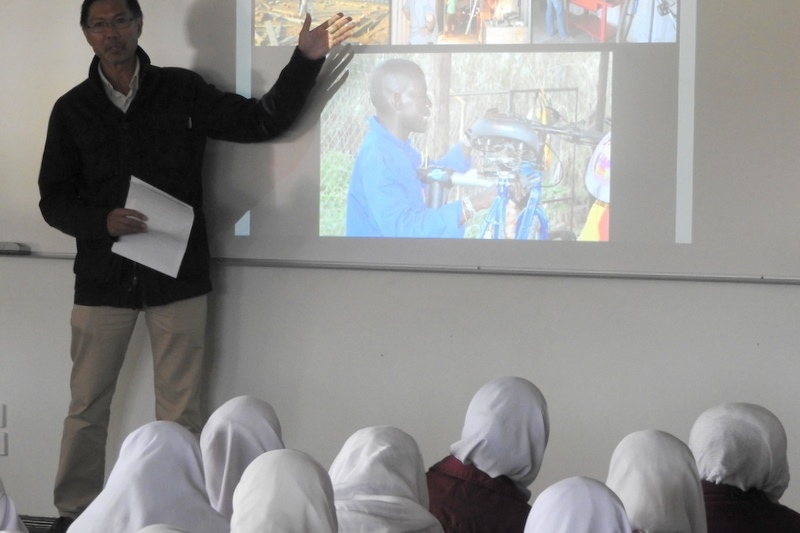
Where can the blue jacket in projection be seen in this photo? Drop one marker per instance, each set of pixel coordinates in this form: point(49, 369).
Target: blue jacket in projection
point(93, 148)
point(386, 199)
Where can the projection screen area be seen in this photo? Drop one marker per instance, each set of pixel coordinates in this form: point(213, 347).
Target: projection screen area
point(512, 117)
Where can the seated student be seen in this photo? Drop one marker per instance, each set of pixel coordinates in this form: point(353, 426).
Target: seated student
point(577, 505)
point(379, 484)
point(237, 432)
point(9, 519)
point(655, 477)
point(483, 484)
point(157, 479)
point(740, 449)
point(284, 491)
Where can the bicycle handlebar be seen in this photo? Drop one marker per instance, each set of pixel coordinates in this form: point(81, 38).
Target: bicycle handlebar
point(448, 178)
point(470, 180)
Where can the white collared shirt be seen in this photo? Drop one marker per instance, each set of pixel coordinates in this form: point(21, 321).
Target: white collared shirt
point(122, 101)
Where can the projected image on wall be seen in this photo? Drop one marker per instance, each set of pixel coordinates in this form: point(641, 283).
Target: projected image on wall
point(490, 22)
point(278, 23)
point(469, 145)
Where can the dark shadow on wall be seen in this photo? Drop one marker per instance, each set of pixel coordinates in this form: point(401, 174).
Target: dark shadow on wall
point(273, 182)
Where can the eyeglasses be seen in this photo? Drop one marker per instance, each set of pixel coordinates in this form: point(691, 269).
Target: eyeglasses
point(119, 23)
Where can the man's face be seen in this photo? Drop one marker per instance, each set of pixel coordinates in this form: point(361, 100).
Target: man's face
point(414, 106)
point(114, 46)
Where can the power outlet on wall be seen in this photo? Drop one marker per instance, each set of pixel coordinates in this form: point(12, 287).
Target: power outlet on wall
point(3, 444)
point(2, 415)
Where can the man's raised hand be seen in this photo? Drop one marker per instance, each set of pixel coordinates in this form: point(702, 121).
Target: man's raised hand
point(316, 43)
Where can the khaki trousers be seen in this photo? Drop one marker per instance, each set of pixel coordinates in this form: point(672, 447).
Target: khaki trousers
point(100, 337)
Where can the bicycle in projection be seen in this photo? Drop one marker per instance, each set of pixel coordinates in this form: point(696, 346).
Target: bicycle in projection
point(533, 120)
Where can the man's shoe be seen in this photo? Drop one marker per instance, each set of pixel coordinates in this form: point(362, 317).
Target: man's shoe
point(61, 525)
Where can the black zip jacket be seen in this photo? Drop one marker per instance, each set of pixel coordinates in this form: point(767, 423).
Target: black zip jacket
point(93, 148)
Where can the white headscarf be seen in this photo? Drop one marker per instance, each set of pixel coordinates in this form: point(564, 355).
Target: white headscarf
point(379, 484)
point(577, 505)
point(505, 431)
point(655, 476)
point(743, 445)
point(236, 433)
point(157, 479)
point(162, 528)
point(9, 519)
point(284, 491)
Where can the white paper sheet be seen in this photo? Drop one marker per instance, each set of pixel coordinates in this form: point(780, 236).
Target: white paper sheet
point(169, 222)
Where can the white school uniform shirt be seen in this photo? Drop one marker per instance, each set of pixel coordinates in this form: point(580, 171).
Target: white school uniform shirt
point(284, 491)
point(505, 431)
point(9, 519)
point(379, 484)
point(157, 479)
point(577, 505)
point(236, 433)
point(742, 445)
point(654, 474)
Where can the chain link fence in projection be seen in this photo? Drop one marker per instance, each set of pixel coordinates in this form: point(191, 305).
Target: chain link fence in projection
point(576, 86)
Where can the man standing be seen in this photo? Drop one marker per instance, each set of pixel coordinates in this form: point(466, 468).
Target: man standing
point(555, 14)
point(132, 118)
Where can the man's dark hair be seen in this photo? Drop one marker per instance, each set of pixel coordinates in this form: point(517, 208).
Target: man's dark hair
point(133, 6)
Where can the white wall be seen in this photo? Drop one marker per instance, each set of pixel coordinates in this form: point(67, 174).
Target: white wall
point(337, 350)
